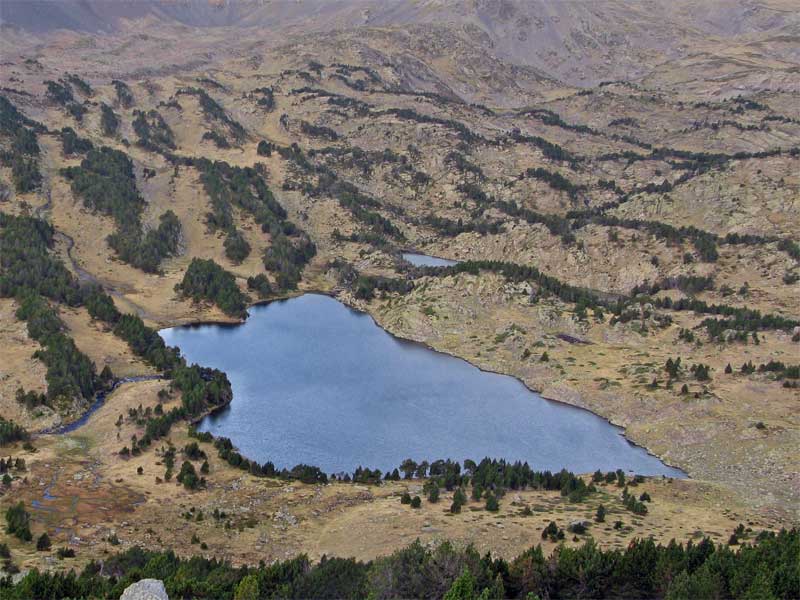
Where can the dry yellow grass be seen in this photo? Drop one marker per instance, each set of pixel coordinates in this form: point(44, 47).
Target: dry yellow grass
point(741, 430)
point(18, 367)
point(82, 492)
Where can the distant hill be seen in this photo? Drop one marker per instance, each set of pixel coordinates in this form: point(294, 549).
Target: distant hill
point(579, 43)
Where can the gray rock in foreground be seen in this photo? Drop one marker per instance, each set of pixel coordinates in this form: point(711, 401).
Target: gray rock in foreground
point(146, 589)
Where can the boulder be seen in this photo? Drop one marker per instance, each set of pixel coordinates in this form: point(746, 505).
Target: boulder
point(578, 527)
point(145, 589)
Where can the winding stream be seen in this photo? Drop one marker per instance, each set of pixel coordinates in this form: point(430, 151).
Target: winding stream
point(98, 401)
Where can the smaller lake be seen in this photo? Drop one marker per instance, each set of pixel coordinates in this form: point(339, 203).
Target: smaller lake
point(318, 383)
point(423, 260)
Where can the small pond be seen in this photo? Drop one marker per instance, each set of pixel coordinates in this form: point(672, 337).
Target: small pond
point(423, 260)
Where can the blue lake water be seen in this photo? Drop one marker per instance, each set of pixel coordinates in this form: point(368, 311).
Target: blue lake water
point(423, 260)
point(318, 383)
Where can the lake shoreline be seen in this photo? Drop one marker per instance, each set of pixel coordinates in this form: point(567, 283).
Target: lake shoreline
point(347, 302)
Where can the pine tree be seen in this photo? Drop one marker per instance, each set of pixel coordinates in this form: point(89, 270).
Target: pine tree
point(600, 516)
point(433, 494)
point(620, 478)
point(477, 492)
point(408, 467)
point(761, 587)
point(248, 588)
point(43, 543)
point(463, 587)
point(459, 500)
point(18, 522)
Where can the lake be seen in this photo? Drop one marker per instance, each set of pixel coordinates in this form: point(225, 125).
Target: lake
point(316, 382)
point(423, 260)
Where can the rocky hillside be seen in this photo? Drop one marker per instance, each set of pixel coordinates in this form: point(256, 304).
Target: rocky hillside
point(619, 181)
point(578, 43)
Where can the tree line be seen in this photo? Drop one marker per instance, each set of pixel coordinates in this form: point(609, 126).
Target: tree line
point(291, 248)
point(31, 273)
point(106, 183)
point(765, 568)
point(124, 94)
point(22, 152)
point(623, 308)
point(60, 92)
point(11, 432)
point(360, 205)
point(555, 180)
point(109, 121)
point(212, 110)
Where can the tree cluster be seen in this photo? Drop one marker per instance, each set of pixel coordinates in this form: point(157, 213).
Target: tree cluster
point(31, 274)
point(228, 186)
point(408, 114)
point(11, 432)
point(206, 280)
point(318, 131)
point(212, 110)
point(556, 181)
point(643, 569)
point(18, 522)
point(302, 472)
point(549, 149)
point(153, 132)
point(637, 507)
point(124, 93)
point(106, 182)
point(260, 285)
point(267, 99)
point(109, 121)
point(60, 92)
point(73, 144)
point(220, 141)
point(82, 86)
point(23, 147)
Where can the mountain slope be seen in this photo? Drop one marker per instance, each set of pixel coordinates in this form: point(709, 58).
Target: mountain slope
point(579, 43)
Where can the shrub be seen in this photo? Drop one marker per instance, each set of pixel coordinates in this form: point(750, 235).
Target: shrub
point(260, 284)
point(578, 528)
point(433, 494)
point(600, 515)
point(18, 522)
point(43, 543)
